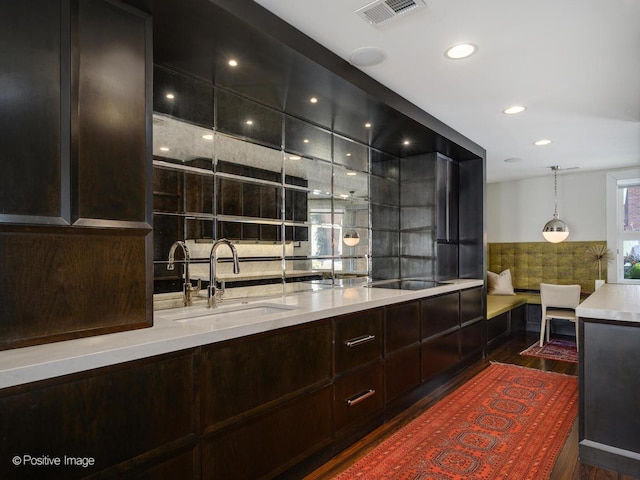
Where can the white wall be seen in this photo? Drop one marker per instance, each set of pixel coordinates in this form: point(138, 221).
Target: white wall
point(517, 210)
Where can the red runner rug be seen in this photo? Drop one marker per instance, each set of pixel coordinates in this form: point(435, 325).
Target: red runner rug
point(554, 349)
point(508, 422)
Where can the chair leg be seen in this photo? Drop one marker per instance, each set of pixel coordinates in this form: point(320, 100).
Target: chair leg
point(577, 337)
point(542, 329)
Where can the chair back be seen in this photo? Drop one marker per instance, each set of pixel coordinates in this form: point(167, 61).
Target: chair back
point(561, 296)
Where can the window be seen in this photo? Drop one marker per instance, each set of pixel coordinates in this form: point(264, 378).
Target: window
point(629, 228)
point(623, 225)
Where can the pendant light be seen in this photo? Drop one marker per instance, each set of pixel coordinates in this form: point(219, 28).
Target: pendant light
point(555, 230)
point(351, 237)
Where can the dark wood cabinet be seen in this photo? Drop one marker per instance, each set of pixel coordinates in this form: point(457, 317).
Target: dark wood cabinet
point(78, 200)
point(358, 339)
point(359, 373)
point(244, 375)
point(262, 406)
point(267, 445)
point(440, 314)
point(133, 416)
point(402, 349)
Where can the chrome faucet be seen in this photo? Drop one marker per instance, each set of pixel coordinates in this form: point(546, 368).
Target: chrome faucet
point(186, 286)
point(214, 293)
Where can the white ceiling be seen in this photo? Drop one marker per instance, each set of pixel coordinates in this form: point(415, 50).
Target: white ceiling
point(575, 65)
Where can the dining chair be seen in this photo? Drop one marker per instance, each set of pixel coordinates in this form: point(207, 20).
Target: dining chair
point(558, 302)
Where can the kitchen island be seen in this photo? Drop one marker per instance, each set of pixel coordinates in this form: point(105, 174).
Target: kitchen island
point(223, 392)
point(609, 380)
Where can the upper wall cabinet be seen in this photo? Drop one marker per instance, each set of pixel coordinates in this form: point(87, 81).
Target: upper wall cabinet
point(76, 144)
point(32, 133)
point(109, 141)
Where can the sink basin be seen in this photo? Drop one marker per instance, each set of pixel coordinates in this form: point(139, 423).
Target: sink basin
point(246, 313)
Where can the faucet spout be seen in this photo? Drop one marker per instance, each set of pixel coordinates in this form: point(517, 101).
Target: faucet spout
point(186, 286)
point(214, 293)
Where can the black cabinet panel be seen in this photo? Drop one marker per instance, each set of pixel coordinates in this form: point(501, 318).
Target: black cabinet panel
point(30, 124)
point(109, 152)
point(402, 372)
point(471, 338)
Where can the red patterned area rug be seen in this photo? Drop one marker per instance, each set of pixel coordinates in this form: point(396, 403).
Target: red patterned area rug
point(554, 349)
point(508, 422)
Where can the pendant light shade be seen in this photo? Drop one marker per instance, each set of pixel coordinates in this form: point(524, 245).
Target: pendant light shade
point(351, 238)
point(555, 230)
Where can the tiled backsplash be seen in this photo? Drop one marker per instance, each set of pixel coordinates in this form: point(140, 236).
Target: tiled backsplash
point(532, 263)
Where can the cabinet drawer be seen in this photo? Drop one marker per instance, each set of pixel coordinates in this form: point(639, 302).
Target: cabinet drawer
point(401, 326)
point(358, 339)
point(358, 395)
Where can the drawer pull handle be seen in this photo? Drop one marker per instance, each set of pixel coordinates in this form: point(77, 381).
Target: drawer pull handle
point(360, 340)
point(360, 397)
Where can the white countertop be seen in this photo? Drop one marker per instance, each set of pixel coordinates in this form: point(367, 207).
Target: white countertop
point(29, 364)
point(612, 302)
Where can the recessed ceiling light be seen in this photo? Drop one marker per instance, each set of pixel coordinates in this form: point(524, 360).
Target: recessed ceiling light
point(514, 109)
point(208, 136)
point(249, 122)
point(352, 174)
point(233, 63)
point(313, 100)
point(170, 96)
point(306, 140)
point(294, 157)
point(348, 154)
point(406, 142)
point(460, 50)
point(542, 142)
point(164, 149)
point(367, 125)
point(367, 56)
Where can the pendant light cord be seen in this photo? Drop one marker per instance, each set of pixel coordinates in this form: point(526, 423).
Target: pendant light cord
point(555, 190)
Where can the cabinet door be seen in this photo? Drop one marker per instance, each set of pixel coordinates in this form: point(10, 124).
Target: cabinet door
point(242, 375)
point(31, 127)
point(471, 305)
point(109, 150)
point(402, 372)
point(265, 445)
point(440, 354)
point(440, 314)
point(358, 339)
point(139, 413)
point(401, 326)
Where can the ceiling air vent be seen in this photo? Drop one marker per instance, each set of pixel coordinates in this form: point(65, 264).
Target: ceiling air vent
point(382, 11)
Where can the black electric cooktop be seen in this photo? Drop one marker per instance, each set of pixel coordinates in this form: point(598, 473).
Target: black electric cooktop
point(405, 284)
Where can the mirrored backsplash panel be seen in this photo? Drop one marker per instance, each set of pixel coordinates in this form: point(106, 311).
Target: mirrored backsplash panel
point(292, 197)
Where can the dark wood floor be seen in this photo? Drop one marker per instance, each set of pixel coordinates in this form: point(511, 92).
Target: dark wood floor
point(567, 467)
